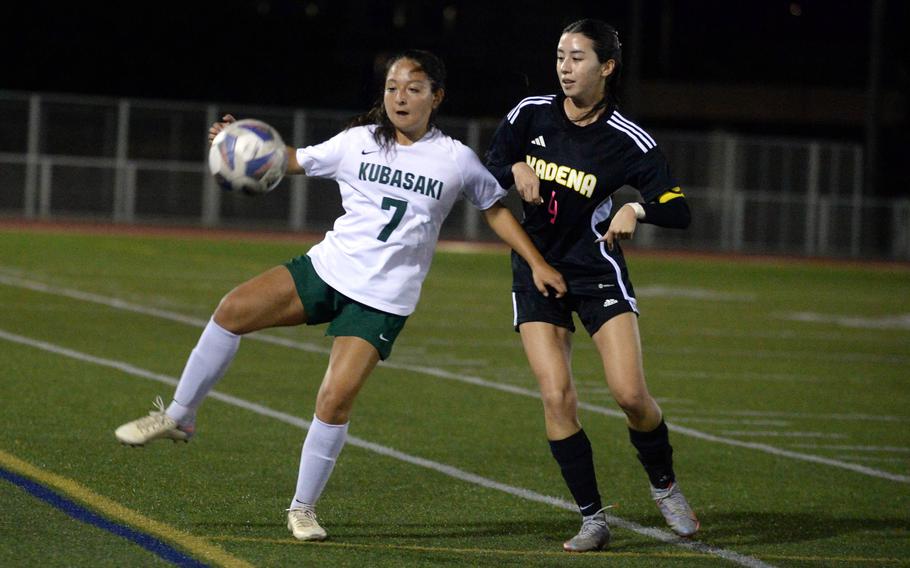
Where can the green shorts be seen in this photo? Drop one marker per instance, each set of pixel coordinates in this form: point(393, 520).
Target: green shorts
point(322, 303)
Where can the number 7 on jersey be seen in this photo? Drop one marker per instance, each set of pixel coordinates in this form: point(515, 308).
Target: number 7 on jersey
point(400, 207)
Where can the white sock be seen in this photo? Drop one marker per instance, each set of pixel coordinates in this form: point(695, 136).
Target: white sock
point(320, 450)
point(205, 366)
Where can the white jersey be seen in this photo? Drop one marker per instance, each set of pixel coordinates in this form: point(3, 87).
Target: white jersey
point(379, 251)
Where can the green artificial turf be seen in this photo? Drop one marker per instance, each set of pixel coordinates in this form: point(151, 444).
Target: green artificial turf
point(723, 355)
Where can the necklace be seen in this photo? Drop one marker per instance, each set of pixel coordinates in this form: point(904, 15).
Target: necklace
point(585, 116)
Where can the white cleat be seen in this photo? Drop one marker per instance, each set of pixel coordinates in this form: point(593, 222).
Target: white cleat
point(157, 425)
point(593, 535)
point(303, 524)
point(676, 510)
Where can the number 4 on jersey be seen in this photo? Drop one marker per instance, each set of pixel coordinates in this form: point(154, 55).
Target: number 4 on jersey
point(400, 206)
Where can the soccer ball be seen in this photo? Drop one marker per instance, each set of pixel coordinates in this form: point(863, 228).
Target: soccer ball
point(249, 156)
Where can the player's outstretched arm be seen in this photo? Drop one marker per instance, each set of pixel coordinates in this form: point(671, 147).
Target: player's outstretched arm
point(294, 167)
point(509, 230)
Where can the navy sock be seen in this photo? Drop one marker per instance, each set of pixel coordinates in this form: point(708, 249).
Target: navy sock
point(576, 461)
point(655, 454)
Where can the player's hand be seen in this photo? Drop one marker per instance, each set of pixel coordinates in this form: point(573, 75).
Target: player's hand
point(219, 126)
point(621, 227)
point(527, 183)
point(546, 277)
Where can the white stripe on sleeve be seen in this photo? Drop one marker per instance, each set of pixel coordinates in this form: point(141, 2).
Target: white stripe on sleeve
point(638, 141)
point(635, 127)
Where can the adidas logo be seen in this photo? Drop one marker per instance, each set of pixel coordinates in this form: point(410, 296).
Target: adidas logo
point(610, 302)
point(539, 141)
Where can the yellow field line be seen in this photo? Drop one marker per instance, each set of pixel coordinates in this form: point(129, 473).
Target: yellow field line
point(556, 553)
point(449, 550)
point(199, 547)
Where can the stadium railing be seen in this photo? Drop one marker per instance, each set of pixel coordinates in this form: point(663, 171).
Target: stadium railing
point(139, 161)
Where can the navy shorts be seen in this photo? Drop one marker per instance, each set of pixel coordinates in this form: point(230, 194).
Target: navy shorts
point(593, 311)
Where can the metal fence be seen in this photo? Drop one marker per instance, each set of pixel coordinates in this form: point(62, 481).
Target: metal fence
point(143, 161)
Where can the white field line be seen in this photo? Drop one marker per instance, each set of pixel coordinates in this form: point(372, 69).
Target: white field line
point(743, 421)
point(659, 291)
point(806, 415)
point(899, 449)
point(780, 333)
point(669, 400)
point(899, 321)
point(445, 469)
point(710, 353)
point(10, 278)
point(874, 459)
point(658, 336)
point(750, 376)
point(443, 374)
point(776, 434)
point(784, 354)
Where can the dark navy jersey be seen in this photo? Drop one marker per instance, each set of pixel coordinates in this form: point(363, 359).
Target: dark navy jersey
point(580, 167)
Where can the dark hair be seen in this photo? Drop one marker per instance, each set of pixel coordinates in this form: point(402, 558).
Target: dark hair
point(605, 40)
point(435, 71)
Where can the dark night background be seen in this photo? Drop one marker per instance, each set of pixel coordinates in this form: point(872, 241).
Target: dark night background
point(685, 60)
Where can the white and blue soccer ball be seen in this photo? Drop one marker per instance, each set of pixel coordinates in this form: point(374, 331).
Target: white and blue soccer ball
point(248, 156)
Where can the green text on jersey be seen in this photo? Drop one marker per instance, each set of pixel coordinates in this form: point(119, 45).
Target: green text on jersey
point(403, 180)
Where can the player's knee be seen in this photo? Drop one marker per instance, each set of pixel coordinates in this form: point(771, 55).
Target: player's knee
point(333, 406)
point(559, 401)
point(633, 403)
point(232, 313)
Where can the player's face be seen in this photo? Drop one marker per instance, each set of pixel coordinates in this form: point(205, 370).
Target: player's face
point(581, 75)
point(409, 99)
